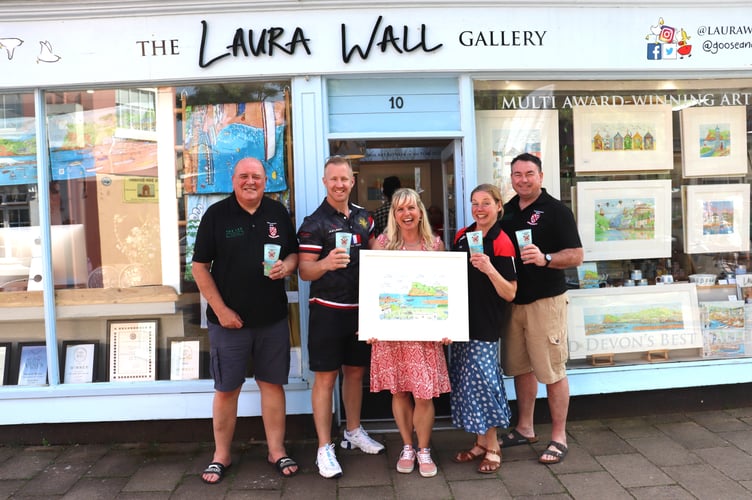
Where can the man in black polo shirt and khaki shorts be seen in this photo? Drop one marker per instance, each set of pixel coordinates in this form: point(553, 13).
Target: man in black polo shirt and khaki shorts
point(536, 340)
point(333, 312)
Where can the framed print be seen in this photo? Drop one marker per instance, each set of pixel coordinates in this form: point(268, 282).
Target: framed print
point(32, 364)
point(133, 348)
point(723, 328)
point(624, 219)
point(633, 319)
point(714, 141)
point(407, 295)
point(622, 139)
point(716, 218)
point(744, 288)
point(503, 134)
point(79, 361)
point(5, 351)
point(186, 357)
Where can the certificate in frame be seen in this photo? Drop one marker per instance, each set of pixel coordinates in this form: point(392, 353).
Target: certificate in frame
point(32, 363)
point(79, 361)
point(714, 141)
point(5, 352)
point(624, 219)
point(622, 139)
point(133, 348)
point(187, 355)
point(633, 319)
point(406, 295)
point(716, 218)
point(503, 134)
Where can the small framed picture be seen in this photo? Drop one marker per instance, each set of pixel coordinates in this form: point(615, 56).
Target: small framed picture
point(5, 350)
point(133, 349)
point(32, 363)
point(79, 361)
point(187, 357)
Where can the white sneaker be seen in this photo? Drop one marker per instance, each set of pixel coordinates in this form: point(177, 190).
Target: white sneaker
point(359, 438)
point(327, 462)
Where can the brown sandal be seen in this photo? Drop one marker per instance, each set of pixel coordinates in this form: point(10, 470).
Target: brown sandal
point(468, 455)
point(490, 466)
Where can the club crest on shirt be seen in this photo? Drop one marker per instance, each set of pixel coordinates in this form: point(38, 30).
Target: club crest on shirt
point(363, 222)
point(273, 232)
point(535, 217)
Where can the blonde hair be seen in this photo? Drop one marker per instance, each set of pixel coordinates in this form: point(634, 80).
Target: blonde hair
point(395, 241)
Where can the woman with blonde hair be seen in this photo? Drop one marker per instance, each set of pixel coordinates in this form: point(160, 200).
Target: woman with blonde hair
point(414, 372)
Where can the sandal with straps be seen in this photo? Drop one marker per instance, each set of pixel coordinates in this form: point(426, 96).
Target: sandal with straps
point(490, 466)
point(468, 455)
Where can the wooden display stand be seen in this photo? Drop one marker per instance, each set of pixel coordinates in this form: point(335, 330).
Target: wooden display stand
point(658, 355)
point(602, 359)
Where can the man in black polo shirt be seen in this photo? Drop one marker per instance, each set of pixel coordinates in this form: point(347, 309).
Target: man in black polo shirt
point(247, 311)
point(333, 312)
point(536, 340)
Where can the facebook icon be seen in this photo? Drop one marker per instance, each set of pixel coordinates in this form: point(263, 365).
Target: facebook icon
point(654, 51)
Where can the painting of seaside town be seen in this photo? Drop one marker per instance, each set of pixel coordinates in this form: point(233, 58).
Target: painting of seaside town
point(718, 217)
point(722, 314)
point(633, 318)
point(715, 140)
point(621, 219)
point(420, 300)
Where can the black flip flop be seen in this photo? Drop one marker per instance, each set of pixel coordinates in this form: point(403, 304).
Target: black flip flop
point(515, 438)
point(285, 463)
point(215, 468)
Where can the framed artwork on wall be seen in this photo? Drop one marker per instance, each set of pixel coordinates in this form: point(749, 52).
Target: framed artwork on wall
point(503, 134)
point(716, 218)
point(187, 355)
point(612, 140)
point(624, 219)
point(633, 319)
point(413, 295)
point(714, 141)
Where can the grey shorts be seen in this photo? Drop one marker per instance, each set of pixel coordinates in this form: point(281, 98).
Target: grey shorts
point(267, 347)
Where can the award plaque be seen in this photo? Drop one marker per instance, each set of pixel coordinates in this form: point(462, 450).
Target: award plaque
point(32, 365)
point(4, 362)
point(133, 349)
point(186, 354)
point(80, 361)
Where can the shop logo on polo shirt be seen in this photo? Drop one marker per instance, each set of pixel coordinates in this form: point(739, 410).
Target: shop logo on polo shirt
point(234, 232)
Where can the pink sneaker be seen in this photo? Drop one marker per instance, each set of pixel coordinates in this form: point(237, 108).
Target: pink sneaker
point(425, 463)
point(406, 462)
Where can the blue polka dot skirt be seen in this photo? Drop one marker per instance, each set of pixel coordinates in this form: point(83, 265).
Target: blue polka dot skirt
point(478, 398)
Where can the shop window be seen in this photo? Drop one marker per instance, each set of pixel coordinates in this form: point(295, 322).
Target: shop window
point(136, 114)
point(657, 174)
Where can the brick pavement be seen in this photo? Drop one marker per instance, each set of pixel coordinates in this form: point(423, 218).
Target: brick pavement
point(683, 455)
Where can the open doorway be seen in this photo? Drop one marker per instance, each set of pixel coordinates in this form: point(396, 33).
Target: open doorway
point(430, 167)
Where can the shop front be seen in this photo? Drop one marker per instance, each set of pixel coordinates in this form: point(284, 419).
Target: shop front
point(113, 142)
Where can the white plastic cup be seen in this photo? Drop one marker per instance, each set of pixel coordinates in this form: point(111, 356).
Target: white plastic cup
point(271, 255)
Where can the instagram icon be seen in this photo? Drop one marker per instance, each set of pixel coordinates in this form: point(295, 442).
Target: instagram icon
point(667, 34)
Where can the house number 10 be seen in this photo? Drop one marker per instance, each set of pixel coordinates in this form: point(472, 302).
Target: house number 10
point(396, 102)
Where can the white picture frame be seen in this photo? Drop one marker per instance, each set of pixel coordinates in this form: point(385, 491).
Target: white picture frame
point(714, 141)
point(624, 219)
point(133, 349)
point(503, 134)
point(716, 218)
point(641, 319)
point(389, 310)
point(652, 123)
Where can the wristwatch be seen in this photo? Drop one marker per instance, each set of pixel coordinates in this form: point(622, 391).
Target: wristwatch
point(548, 259)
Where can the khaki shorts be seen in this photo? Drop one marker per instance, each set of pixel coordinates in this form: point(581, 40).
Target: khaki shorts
point(536, 340)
